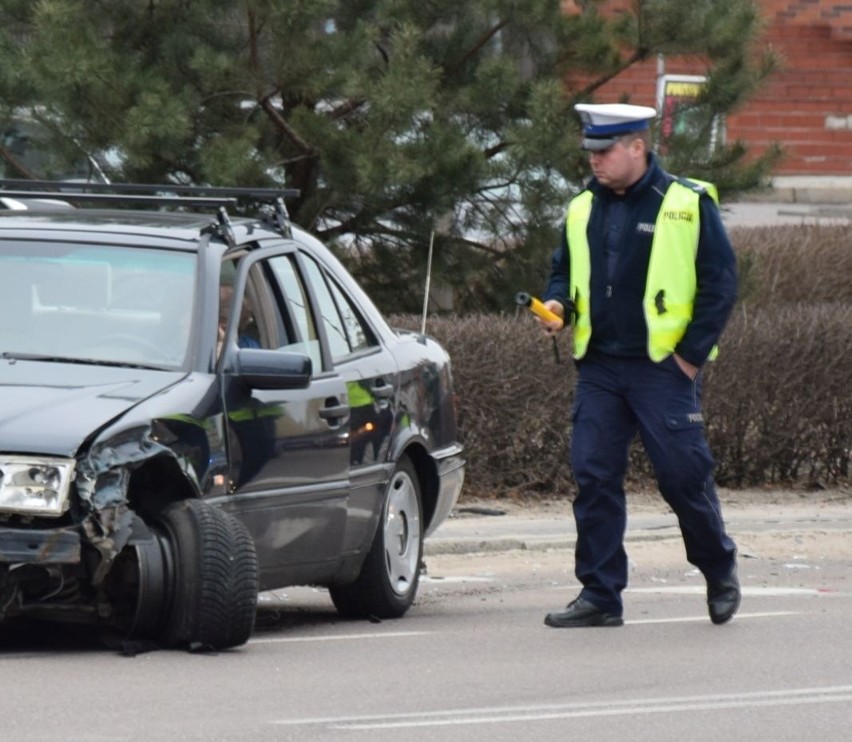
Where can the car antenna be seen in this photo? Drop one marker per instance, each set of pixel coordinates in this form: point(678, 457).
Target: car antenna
point(428, 281)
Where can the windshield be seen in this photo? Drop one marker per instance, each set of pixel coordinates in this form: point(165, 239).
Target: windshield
point(95, 303)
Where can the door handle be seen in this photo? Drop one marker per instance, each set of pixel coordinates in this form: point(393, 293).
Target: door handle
point(382, 391)
point(334, 411)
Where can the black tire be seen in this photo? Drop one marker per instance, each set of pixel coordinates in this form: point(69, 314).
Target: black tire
point(387, 584)
point(213, 583)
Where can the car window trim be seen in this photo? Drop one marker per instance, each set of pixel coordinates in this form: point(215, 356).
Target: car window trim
point(284, 248)
point(328, 276)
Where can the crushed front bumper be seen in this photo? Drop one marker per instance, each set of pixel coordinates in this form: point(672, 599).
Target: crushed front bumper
point(39, 546)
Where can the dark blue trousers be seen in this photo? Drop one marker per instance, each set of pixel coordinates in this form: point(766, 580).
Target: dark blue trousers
point(615, 398)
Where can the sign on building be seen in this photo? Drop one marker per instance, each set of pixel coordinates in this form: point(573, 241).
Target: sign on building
point(681, 113)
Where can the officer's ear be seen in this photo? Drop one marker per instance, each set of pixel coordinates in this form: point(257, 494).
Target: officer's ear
point(635, 144)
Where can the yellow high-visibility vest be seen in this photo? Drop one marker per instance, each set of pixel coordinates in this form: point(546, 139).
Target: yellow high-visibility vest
point(671, 281)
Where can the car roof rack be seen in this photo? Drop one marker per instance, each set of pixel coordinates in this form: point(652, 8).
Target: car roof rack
point(164, 194)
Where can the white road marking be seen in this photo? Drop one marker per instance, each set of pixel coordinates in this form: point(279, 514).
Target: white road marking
point(757, 592)
point(596, 709)
point(703, 619)
point(336, 637)
point(754, 592)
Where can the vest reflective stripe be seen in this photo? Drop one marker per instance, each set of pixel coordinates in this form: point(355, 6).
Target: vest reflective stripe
point(576, 222)
point(671, 281)
point(670, 285)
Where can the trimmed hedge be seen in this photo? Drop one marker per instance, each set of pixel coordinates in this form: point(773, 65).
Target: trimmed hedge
point(777, 402)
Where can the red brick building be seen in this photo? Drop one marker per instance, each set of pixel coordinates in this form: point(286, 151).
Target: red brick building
point(806, 106)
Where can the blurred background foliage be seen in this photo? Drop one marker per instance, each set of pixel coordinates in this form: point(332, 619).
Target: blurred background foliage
point(397, 120)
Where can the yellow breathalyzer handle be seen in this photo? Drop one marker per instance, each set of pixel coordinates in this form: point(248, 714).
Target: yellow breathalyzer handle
point(536, 307)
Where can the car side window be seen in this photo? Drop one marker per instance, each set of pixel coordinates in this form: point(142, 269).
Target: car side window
point(261, 323)
point(357, 331)
point(248, 335)
point(305, 336)
point(347, 333)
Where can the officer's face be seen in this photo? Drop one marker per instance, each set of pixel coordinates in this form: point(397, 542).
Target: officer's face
point(620, 166)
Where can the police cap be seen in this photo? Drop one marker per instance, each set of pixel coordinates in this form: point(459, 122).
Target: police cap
point(604, 123)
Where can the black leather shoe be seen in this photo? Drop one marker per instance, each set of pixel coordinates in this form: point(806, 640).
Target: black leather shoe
point(723, 598)
point(581, 612)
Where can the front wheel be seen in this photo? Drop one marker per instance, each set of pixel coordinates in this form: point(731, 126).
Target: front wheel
point(193, 583)
point(214, 577)
point(387, 584)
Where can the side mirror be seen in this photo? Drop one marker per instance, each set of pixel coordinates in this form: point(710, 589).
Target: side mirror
point(271, 369)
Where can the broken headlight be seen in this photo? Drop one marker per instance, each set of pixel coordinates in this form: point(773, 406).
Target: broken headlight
point(35, 485)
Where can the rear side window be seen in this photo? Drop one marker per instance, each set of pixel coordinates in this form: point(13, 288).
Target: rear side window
point(346, 331)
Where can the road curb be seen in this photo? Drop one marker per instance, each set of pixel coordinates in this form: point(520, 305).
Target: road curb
point(483, 544)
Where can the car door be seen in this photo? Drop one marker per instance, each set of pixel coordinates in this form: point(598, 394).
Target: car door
point(372, 380)
point(288, 449)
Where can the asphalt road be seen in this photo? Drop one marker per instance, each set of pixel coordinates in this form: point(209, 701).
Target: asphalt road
point(472, 660)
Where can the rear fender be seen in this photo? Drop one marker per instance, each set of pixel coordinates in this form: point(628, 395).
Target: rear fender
point(427, 473)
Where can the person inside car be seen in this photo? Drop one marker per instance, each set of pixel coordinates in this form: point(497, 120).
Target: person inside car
point(247, 334)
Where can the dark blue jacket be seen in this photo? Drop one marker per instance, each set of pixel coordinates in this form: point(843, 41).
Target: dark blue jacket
point(618, 274)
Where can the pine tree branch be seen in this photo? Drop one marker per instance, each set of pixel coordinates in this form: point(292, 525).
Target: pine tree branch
point(254, 61)
point(345, 108)
point(481, 42)
point(16, 164)
point(265, 101)
point(282, 123)
point(490, 249)
point(496, 149)
point(362, 221)
point(638, 56)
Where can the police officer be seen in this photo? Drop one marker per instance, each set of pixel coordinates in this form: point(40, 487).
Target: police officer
point(645, 277)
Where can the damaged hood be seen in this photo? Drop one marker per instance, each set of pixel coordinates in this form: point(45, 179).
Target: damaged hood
point(52, 408)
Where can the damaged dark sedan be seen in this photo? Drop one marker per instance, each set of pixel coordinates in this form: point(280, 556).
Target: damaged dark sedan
point(195, 407)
